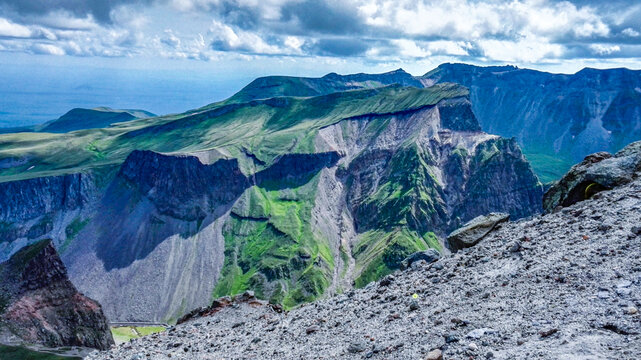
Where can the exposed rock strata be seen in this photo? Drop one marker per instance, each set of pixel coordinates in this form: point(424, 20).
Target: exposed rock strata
point(39, 304)
point(169, 230)
point(558, 115)
point(38, 208)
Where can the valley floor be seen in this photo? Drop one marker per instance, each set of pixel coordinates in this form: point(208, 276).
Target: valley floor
point(565, 285)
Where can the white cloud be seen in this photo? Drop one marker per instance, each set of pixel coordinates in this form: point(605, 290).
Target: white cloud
point(470, 20)
point(65, 20)
point(294, 42)
point(600, 49)
point(530, 49)
point(170, 39)
point(444, 47)
point(528, 31)
point(225, 38)
point(10, 29)
point(409, 48)
point(47, 49)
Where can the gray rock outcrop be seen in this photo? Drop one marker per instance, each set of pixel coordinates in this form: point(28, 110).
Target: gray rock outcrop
point(475, 230)
point(429, 256)
point(597, 172)
point(557, 117)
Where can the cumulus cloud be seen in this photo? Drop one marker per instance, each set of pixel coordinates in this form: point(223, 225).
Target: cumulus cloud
point(9, 29)
point(98, 9)
point(600, 49)
point(630, 32)
point(226, 38)
point(47, 49)
point(522, 31)
point(530, 49)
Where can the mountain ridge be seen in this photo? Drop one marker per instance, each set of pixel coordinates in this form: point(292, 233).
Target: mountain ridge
point(300, 222)
point(82, 119)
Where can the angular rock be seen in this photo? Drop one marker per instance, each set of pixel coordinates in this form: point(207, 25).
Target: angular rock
point(356, 347)
point(597, 172)
point(312, 329)
point(475, 230)
point(435, 354)
point(479, 333)
point(429, 256)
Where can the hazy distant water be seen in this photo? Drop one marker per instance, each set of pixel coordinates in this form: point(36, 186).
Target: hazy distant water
point(35, 95)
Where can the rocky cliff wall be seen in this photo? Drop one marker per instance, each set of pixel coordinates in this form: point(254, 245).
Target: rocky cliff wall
point(39, 304)
point(408, 179)
point(48, 207)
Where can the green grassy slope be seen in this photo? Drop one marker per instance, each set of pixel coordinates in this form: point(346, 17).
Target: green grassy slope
point(272, 86)
point(79, 119)
point(123, 334)
point(267, 128)
point(271, 249)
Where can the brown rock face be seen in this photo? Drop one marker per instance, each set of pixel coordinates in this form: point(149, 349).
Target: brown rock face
point(39, 304)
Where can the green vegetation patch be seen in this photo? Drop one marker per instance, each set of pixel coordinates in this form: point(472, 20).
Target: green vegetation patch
point(270, 248)
point(379, 253)
point(71, 231)
point(272, 127)
point(21, 259)
point(406, 195)
point(123, 334)
point(547, 167)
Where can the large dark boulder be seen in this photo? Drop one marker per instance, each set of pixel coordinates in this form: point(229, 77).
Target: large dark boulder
point(475, 230)
point(597, 172)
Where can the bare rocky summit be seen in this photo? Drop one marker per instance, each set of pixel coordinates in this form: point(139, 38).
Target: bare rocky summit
point(564, 285)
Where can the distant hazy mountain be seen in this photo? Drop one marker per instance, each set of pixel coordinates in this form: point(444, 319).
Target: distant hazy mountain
point(80, 119)
point(557, 119)
point(271, 86)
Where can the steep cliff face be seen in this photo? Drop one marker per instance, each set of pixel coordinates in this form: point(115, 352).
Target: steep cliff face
point(153, 249)
point(409, 178)
point(39, 304)
point(34, 208)
point(557, 118)
point(163, 229)
point(182, 186)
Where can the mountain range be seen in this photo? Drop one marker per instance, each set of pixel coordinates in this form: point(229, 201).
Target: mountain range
point(298, 188)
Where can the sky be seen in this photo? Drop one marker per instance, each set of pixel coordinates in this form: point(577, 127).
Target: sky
point(172, 55)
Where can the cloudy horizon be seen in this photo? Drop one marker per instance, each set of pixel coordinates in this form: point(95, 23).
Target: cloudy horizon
point(229, 42)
